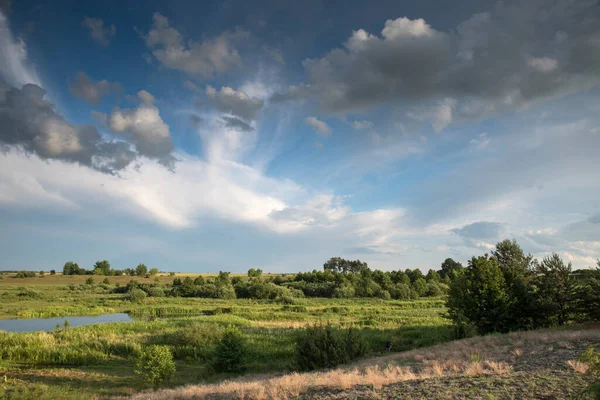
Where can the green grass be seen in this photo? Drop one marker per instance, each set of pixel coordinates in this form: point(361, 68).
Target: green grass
point(97, 361)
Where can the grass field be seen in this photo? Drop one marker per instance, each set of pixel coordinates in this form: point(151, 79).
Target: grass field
point(97, 361)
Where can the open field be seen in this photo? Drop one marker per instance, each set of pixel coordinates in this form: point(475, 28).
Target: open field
point(521, 365)
point(97, 361)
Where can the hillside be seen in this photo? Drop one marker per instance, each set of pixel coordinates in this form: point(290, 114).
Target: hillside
point(534, 364)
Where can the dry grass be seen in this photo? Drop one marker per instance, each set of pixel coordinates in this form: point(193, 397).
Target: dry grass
point(488, 355)
point(578, 366)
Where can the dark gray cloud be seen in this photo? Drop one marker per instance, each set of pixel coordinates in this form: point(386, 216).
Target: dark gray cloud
point(100, 33)
point(495, 61)
point(480, 230)
point(195, 120)
point(235, 102)
point(93, 92)
point(29, 121)
point(236, 123)
point(205, 58)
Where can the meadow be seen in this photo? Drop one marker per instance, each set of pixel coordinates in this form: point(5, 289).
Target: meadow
point(97, 361)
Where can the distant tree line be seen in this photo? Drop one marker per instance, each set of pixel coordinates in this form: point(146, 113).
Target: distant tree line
point(510, 290)
point(339, 278)
point(103, 268)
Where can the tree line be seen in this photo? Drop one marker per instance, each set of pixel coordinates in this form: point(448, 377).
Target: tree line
point(509, 290)
point(103, 268)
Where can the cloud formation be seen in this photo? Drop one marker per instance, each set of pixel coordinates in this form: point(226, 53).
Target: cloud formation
point(93, 92)
point(210, 57)
point(100, 33)
point(145, 128)
point(235, 123)
point(29, 121)
point(14, 68)
point(493, 62)
point(237, 103)
point(319, 126)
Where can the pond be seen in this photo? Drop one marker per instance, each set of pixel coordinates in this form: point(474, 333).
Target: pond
point(48, 324)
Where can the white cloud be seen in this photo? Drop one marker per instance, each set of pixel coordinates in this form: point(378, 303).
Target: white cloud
point(362, 124)
point(480, 142)
point(14, 67)
point(206, 59)
point(319, 126)
point(148, 131)
point(439, 114)
point(101, 34)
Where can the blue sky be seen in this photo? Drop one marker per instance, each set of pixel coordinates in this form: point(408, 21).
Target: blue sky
point(206, 136)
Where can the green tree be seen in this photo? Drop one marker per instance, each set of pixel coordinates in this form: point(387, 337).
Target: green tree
point(72, 268)
point(89, 281)
point(153, 271)
point(136, 295)
point(517, 270)
point(479, 295)
point(141, 270)
point(199, 280)
point(104, 266)
point(41, 273)
point(589, 296)
point(342, 266)
point(419, 286)
point(231, 351)
point(451, 268)
point(255, 273)
point(155, 364)
point(52, 272)
point(556, 289)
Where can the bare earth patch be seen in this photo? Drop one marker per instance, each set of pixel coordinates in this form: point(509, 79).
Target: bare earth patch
point(536, 364)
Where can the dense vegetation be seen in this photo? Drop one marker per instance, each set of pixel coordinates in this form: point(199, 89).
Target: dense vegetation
point(207, 327)
point(509, 290)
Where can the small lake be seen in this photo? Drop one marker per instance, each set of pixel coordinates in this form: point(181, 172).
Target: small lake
point(48, 324)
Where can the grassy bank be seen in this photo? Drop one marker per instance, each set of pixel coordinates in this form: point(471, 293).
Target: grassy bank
point(97, 361)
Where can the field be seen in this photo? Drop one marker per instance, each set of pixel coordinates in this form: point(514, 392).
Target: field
point(97, 361)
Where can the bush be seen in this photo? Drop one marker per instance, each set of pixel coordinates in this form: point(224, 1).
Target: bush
point(592, 359)
point(155, 364)
point(89, 281)
point(323, 346)
point(231, 352)
point(136, 295)
point(156, 292)
point(25, 274)
point(106, 281)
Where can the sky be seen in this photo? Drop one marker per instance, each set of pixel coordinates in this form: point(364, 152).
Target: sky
point(228, 135)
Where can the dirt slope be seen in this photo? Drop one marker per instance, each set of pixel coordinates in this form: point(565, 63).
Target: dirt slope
point(522, 365)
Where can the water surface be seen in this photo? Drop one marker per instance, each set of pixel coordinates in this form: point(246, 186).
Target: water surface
point(48, 324)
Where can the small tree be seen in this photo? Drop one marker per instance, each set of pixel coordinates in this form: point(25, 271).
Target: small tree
point(231, 352)
point(52, 272)
point(141, 270)
point(41, 273)
point(155, 364)
point(89, 281)
point(106, 281)
point(153, 271)
point(104, 267)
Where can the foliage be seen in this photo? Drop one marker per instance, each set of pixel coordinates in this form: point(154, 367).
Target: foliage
point(153, 271)
point(72, 268)
point(136, 295)
point(450, 268)
point(231, 352)
point(591, 358)
point(25, 274)
point(255, 273)
point(323, 346)
point(337, 264)
point(556, 287)
point(89, 281)
point(155, 364)
point(141, 270)
point(479, 294)
point(102, 268)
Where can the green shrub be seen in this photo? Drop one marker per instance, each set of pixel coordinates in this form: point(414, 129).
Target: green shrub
point(25, 274)
point(323, 346)
point(155, 364)
point(231, 352)
point(156, 292)
point(136, 295)
point(32, 294)
point(106, 281)
point(592, 358)
point(89, 281)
